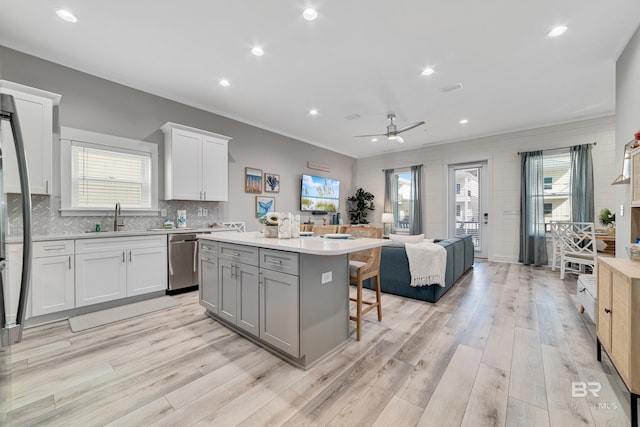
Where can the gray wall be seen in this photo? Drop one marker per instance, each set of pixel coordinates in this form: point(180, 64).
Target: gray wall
point(501, 154)
point(627, 124)
point(98, 105)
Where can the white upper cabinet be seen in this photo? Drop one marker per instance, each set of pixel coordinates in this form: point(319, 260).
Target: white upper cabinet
point(196, 164)
point(35, 115)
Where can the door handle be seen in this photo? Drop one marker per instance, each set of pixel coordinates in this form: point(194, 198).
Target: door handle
point(606, 310)
point(486, 218)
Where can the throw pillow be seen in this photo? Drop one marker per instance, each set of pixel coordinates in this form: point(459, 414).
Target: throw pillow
point(403, 238)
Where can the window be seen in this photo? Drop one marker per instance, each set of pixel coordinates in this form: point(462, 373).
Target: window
point(457, 188)
point(100, 170)
point(556, 186)
point(458, 212)
point(402, 203)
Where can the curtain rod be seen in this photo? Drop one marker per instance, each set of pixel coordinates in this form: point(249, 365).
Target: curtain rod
point(401, 167)
point(559, 148)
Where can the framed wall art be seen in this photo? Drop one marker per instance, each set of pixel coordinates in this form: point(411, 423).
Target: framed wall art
point(271, 183)
point(252, 180)
point(264, 205)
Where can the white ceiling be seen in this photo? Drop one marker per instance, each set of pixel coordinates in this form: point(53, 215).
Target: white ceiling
point(358, 56)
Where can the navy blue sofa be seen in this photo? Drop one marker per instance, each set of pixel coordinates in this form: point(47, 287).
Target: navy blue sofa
point(395, 276)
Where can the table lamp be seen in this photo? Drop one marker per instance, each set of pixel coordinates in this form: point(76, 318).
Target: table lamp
point(387, 218)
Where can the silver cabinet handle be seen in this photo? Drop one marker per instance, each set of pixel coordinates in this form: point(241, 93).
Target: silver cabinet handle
point(195, 257)
point(276, 262)
point(129, 256)
point(205, 259)
point(235, 253)
point(205, 195)
point(123, 260)
point(46, 186)
point(54, 248)
point(69, 262)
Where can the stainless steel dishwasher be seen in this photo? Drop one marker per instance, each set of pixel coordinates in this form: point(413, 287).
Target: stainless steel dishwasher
point(183, 261)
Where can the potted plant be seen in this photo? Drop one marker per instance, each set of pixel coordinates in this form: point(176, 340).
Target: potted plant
point(359, 206)
point(607, 218)
point(270, 224)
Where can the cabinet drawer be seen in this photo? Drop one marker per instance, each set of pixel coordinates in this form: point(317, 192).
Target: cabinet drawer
point(208, 248)
point(284, 262)
point(239, 253)
point(116, 243)
point(53, 248)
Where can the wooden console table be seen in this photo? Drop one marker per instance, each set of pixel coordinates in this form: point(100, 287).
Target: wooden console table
point(617, 320)
point(610, 240)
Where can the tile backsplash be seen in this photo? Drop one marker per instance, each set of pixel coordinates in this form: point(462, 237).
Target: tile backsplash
point(47, 219)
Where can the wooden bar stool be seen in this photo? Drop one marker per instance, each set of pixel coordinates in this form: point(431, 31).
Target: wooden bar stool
point(320, 230)
point(365, 265)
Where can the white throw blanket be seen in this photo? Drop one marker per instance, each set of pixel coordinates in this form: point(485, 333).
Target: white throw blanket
point(427, 263)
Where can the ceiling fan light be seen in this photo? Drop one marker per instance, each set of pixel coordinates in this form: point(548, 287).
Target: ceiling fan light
point(557, 31)
point(309, 14)
point(399, 139)
point(392, 137)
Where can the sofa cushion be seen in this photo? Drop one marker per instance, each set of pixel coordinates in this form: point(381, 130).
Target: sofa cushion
point(403, 238)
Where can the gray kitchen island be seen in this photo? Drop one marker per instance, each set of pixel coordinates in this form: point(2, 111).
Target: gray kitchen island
point(289, 295)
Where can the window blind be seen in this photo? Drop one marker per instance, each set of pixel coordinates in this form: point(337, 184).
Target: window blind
point(557, 186)
point(101, 177)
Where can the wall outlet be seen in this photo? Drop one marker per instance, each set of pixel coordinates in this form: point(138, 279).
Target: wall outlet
point(199, 211)
point(163, 213)
point(327, 277)
point(205, 212)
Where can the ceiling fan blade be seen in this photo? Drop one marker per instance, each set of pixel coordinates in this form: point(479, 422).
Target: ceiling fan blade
point(406, 128)
point(369, 136)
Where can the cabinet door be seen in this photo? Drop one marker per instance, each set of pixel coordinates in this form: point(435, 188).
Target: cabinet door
point(209, 289)
point(100, 277)
point(621, 322)
point(215, 173)
point(603, 322)
point(35, 114)
point(146, 270)
point(248, 298)
point(279, 311)
point(228, 296)
point(183, 168)
point(52, 284)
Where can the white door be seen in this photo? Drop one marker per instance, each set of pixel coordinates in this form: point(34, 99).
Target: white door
point(186, 178)
point(100, 277)
point(468, 209)
point(52, 284)
point(215, 174)
point(146, 270)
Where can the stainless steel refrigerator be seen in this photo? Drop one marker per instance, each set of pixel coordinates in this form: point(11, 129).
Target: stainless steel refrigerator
point(10, 329)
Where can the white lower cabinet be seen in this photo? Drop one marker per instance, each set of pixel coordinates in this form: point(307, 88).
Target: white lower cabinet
point(52, 278)
point(118, 267)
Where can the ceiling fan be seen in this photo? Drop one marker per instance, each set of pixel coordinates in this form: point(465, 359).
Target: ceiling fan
point(392, 129)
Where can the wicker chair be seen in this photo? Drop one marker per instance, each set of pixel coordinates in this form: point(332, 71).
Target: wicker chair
point(320, 230)
point(364, 265)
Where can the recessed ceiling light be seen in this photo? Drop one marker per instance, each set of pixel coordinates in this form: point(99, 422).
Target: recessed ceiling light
point(374, 139)
point(427, 71)
point(464, 121)
point(309, 14)
point(257, 51)
point(313, 112)
point(557, 31)
point(65, 15)
point(224, 83)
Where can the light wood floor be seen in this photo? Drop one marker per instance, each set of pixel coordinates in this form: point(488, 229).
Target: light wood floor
point(501, 348)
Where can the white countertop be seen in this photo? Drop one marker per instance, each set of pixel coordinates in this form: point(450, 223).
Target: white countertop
point(123, 233)
point(313, 245)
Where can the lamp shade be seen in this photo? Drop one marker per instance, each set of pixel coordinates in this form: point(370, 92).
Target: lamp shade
point(387, 217)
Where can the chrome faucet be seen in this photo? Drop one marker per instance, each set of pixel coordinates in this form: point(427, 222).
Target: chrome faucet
point(117, 221)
